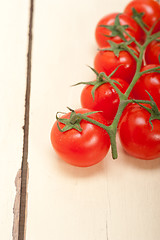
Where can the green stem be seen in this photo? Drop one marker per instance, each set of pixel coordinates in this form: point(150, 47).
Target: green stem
point(132, 38)
point(150, 70)
point(113, 145)
point(142, 26)
point(152, 37)
point(111, 132)
point(113, 128)
point(139, 101)
point(137, 73)
point(107, 128)
point(131, 52)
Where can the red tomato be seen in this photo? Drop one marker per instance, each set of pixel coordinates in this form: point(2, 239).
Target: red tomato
point(150, 8)
point(134, 30)
point(136, 134)
point(106, 61)
point(156, 28)
point(148, 82)
point(152, 52)
point(106, 98)
point(84, 148)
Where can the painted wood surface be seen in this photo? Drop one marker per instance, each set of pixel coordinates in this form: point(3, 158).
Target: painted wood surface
point(13, 50)
point(114, 200)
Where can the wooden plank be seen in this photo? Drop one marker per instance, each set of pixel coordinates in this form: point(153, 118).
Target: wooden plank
point(113, 200)
point(13, 49)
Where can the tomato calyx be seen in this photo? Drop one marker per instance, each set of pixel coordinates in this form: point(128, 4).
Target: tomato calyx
point(153, 109)
point(119, 47)
point(101, 78)
point(68, 124)
point(137, 16)
point(115, 29)
point(73, 122)
point(121, 31)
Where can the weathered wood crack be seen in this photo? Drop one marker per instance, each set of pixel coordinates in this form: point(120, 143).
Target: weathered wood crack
point(24, 166)
point(16, 206)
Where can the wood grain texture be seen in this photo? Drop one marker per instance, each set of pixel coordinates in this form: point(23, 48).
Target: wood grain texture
point(13, 50)
point(114, 200)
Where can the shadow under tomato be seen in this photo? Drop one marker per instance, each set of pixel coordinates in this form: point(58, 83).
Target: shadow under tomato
point(140, 163)
point(80, 172)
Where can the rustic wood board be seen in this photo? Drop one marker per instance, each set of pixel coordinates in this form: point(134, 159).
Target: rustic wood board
point(13, 55)
point(114, 200)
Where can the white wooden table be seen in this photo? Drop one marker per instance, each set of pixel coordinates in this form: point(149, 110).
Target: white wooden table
point(113, 200)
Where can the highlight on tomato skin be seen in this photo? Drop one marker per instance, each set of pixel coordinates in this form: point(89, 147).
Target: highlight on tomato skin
point(81, 149)
point(136, 134)
point(100, 32)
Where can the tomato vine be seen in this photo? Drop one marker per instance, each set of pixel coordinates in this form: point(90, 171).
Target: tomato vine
point(102, 78)
point(112, 129)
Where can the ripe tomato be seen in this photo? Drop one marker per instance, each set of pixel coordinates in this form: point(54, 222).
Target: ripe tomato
point(156, 28)
point(84, 148)
point(136, 134)
point(134, 30)
point(106, 98)
point(150, 8)
point(148, 82)
point(152, 52)
point(106, 61)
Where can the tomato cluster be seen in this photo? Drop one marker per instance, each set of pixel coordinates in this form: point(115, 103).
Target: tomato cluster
point(119, 36)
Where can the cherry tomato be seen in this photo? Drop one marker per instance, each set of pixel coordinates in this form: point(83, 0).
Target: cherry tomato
point(150, 8)
point(106, 61)
point(136, 134)
point(100, 33)
point(148, 82)
point(156, 28)
point(152, 53)
point(106, 98)
point(84, 148)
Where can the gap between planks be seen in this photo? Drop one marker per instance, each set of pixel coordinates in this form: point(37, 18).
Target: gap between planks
point(19, 225)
